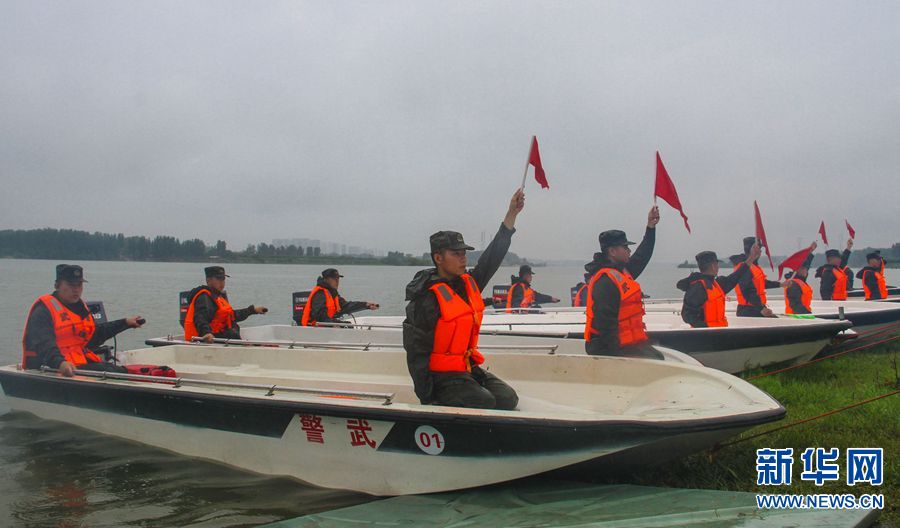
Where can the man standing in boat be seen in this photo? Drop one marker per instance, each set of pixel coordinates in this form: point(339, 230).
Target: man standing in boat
point(873, 277)
point(443, 318)
point(325, 305)
point(614, 323)
point(209, 313)
point(797, 293)
point(60, 331)
point(521, 295)
point(704, 297)
point(836, 277)
point(751, 289)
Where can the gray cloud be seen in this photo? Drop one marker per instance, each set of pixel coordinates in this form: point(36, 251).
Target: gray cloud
point(377, 123)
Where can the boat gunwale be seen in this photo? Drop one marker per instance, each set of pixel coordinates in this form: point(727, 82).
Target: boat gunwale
point(396, 412)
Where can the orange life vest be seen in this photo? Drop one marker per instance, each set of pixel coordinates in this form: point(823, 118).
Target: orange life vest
point(577, 301)
point(805, 297)
point(456, 333)
point(332, 305)
point(882, 285)
point(222, 320)
point(631, 307)
point(714, 307)
point(73, 333)
point(527, 296)
point(840, 284)
point(759, 282)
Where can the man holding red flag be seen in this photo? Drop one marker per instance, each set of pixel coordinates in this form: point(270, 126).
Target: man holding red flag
point(751, 289)
point(615, 308)
point(797, 293)
point(836, 277)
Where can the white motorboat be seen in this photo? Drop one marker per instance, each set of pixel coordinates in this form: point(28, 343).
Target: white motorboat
point(745, 344)
point(350, 420)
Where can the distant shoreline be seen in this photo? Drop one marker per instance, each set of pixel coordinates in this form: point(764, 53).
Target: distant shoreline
point(324, 259)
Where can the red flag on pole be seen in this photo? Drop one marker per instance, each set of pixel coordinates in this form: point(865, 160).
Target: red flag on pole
point(534, 158)
point(761, 234)
point(794, 261)
point(665, 189)
point(850, 229)
point(822, 232)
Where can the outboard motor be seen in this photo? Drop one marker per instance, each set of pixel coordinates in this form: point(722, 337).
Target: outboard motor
point(573, 292)
point(97, 310)
point(499, 295)
point(299, 300)
point(99, 314)
point(184, 300)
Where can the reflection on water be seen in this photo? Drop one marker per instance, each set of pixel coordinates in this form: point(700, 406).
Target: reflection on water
point(63, 476)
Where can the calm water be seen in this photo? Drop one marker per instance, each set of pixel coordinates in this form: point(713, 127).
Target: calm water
point(57, 475)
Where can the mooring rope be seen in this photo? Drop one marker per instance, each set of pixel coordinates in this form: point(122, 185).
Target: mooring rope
point(834, 356)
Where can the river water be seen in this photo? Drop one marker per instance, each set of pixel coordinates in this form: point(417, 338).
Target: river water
point(58, 475)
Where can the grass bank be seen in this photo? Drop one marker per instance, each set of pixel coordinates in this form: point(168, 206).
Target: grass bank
point(807, 392)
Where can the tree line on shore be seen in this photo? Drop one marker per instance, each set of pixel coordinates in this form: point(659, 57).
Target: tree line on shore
point(71, 244)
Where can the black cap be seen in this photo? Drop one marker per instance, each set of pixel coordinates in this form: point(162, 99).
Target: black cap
point(706, 257)
point(217, 272)
point(748, 243)
point(874, 255)
point(525, 268)
point(70, 273)
point(448, 240)
point(613, 237)
point(832, 253)
point(737, 259)
point(331, 273)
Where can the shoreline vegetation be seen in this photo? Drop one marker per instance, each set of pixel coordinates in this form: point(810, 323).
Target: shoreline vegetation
point(806, 392)
point(70, 244)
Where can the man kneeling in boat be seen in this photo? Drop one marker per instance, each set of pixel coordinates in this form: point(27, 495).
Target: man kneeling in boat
point(704, 297)
point(443, 318)
point(873, 277)
point(60, 330)
point(837, 278)
point(210, 315)
point(751, 289)
point(325, 305)
point(614, 323)
point(797, 293)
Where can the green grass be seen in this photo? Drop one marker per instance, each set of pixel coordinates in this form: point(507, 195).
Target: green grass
point(806, 392)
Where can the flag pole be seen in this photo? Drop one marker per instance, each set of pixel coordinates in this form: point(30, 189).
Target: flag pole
point(527, 162)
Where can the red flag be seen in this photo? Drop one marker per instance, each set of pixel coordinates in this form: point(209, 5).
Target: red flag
point(761, 234)
point(850, 229)
point(665, 189)
point(534, 158)
point(794, 261)
point(822, 232)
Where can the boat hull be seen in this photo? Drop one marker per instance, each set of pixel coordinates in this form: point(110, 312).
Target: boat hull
point(398, 448)
point(745, 344)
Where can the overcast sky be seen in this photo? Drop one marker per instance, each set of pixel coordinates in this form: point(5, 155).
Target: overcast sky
point(376, 123)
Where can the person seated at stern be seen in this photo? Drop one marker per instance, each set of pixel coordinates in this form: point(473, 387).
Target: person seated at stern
point(443, 318)
point(60, 331)
point(210, 315)
point(325, 304)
